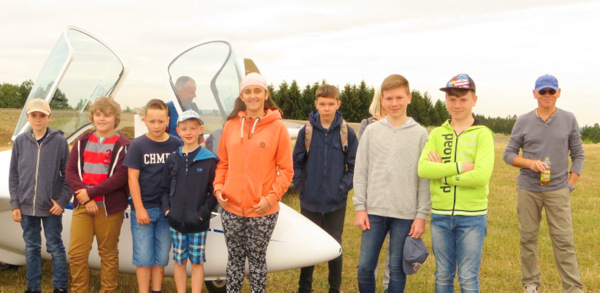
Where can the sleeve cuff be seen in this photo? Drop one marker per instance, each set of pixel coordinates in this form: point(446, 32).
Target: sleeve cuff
point(272, 199)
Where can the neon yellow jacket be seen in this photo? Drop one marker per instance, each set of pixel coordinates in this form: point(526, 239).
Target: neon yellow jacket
point(459, 193)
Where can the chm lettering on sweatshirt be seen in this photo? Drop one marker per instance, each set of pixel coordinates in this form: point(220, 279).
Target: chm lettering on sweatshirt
point(155, 158)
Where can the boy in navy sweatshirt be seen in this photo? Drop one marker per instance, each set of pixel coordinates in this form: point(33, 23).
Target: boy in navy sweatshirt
point(187, 200)
point(39, 193)
point(323, 174)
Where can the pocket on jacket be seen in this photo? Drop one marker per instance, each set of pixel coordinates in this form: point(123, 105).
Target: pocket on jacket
point(175, 219)
point(192, 220)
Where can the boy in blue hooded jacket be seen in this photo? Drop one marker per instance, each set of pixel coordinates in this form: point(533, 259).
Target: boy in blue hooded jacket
point(323, 175)
point(187, 200)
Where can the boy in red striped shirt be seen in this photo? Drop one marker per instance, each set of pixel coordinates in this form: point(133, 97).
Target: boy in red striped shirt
point(98, 178)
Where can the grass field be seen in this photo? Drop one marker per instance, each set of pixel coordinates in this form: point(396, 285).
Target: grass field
point(500, 270)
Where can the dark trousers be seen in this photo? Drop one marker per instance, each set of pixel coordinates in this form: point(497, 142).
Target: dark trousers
point(332, 223)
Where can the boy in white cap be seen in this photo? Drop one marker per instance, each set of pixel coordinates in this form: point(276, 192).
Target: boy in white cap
point(38, 196)
point(544, 132)
point(187, 200)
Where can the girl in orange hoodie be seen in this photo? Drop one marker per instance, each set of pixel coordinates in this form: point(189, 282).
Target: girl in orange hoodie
point(254, 171)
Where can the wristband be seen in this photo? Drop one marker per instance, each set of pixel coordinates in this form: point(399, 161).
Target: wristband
point(459, 166)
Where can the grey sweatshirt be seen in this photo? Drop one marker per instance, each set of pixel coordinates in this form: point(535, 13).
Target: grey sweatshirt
point(386, 182)
point(557, 139)
point(37, 173)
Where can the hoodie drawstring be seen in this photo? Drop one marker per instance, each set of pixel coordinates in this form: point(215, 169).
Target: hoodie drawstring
point(251, 132)
point(242, 130)
point(253, 127)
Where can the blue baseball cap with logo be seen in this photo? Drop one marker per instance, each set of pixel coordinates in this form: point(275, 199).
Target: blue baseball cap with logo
point(546, 81)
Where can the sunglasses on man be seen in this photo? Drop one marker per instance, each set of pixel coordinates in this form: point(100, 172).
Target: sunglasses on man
point(544, 91)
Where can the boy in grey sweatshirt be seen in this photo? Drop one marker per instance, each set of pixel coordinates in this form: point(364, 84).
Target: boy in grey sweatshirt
point(389, 196)
point(39, 193)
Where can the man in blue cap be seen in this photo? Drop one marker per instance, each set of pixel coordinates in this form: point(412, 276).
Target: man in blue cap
point(546, 132)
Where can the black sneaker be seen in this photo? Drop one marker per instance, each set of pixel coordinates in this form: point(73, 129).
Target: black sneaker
point(60, 290)
point(29, 290)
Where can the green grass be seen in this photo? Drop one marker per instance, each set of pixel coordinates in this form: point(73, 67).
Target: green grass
point(500, 271)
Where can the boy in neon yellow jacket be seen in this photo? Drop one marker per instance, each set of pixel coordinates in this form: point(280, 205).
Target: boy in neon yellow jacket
point(459, 158)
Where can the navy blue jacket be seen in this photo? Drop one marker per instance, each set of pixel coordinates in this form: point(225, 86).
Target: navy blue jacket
point(322, 177)
point(187, 192)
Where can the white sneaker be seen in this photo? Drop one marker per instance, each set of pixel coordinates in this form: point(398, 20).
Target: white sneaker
point(531, 288)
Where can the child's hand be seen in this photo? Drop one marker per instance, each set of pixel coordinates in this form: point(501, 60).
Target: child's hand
point(222, 201)
point(433, 156)
point(55, 209)
point(167, 212)
point(362, 220)
point(142, 216)
point(466, 167)
point(82, 195)
point(16, 215)
point(263, 206)
point(91, 207)
point(417, 228)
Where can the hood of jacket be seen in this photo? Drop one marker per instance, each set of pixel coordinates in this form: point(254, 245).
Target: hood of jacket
point(315, 120)
point(255, 122)
point(203, 154)
point(410, 122)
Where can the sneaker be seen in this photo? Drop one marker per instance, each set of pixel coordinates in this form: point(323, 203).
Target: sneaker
point(531, 288)
point(29, 290)
point(60, 290)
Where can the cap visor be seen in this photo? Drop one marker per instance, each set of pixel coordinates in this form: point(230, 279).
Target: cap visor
point(38, 110)
point(408, 268)
point(546, 87)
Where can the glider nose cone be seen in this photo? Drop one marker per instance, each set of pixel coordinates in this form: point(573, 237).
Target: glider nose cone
point(297, 242)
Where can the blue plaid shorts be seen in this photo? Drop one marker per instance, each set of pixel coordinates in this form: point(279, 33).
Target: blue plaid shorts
point(190, 245)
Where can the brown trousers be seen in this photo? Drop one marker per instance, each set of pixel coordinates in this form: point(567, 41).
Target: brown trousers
point(107, 230)
point(558, 214)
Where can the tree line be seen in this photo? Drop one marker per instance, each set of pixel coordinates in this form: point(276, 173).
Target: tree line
point(296, 103)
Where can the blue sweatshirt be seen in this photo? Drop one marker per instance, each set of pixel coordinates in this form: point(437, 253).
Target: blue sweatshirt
point(322, 177)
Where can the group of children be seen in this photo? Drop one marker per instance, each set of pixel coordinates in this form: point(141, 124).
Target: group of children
point(399, 173)
point(101, 171)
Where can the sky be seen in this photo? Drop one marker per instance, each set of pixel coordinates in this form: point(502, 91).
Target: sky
point(503, 45)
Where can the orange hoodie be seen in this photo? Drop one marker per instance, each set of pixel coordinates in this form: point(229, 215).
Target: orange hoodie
point(250, 152)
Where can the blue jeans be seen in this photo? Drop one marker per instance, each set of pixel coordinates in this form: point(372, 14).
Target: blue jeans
point(32, 227)
point(152, 242)
point(457, 242)
point(370, 246)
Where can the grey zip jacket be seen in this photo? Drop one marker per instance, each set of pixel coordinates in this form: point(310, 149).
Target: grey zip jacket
point(37, 173)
